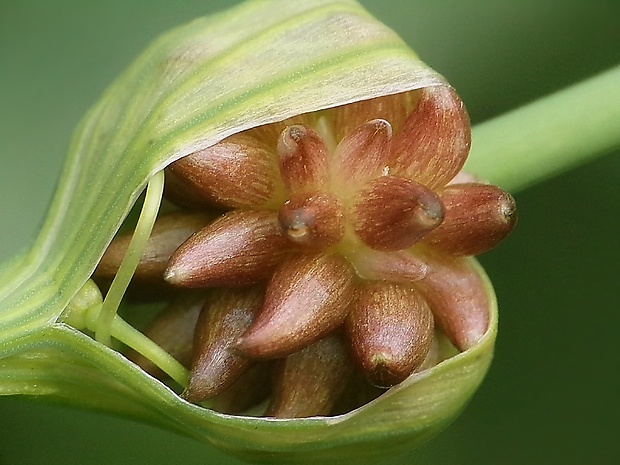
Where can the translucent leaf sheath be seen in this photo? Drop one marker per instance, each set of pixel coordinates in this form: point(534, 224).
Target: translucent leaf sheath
point(261, 62)
point(424, 404)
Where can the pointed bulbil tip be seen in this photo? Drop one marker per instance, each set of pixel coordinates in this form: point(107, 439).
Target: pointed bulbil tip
point(178, 275)
point(393, 213)
point(303, 158)
point(239, 248)
point(478, 217)
point(307, 297)
point(383, 370)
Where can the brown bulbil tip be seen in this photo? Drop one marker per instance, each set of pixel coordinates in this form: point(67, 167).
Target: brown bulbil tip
point(435, 140)
point(309, 382)
point(168, 233)
point(393, 213)
point(457, 297)
point(172, 330)
point(314, 220)
point(237, 172)
point(215, 365)
point(307, 297)
point(303, 159)
point(390, 327)
point(364, 153)
point(478, 217)
point(239, 248)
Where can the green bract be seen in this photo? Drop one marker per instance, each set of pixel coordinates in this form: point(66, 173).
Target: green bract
point(258, 63)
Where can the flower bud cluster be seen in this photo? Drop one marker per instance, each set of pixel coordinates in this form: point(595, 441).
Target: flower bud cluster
point(337, 261)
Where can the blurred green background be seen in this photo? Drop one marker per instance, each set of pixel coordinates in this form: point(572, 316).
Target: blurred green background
point(552, 395)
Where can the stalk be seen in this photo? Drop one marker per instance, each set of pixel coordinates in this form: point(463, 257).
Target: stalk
point(135, 251)
point(549, 136)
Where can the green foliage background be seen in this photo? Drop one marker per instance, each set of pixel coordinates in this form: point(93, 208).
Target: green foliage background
point(552, 393)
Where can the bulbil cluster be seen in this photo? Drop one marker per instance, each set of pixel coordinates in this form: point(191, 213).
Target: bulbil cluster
point(316, 261)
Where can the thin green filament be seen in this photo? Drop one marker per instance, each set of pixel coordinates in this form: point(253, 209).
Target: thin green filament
point(133, 338)
point(129, 264)
point(83, 313)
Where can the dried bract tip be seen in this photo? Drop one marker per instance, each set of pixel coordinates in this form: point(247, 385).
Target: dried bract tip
point(391, 329)
point(303, 159)
point(307, 298)
point(237, 172)
point(478, 217)
point(309, 382)
point(240, 248)
point(394, 213)
point(215, 365)
point(313, 221)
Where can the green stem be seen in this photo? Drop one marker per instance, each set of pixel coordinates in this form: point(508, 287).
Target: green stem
point(129, 264)
point(550, 135)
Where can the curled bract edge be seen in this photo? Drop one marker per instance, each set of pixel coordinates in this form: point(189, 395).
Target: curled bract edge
point(261, 62)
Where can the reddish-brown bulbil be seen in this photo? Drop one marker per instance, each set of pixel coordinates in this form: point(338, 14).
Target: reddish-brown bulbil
point(215, 364)
point(351, 217)
point(391, 330)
